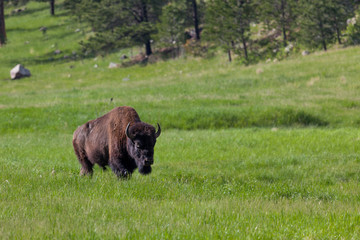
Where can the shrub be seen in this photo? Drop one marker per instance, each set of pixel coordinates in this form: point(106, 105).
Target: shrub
point(352, 32)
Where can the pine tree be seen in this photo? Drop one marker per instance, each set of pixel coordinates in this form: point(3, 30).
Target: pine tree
point(316, 23)
point(228, 24)
point(278, 14)
point(340, 11)
point(119, 23)
point(179, 16)
point(173, 22)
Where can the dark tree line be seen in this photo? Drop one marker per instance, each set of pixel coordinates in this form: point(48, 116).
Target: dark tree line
point(230, 24)
point(246, 28)
point(124, 23)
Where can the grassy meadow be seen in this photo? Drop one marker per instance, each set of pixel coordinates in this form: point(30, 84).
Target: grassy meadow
point(269, 151)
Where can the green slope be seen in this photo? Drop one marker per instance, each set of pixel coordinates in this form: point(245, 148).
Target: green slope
point(320, 89)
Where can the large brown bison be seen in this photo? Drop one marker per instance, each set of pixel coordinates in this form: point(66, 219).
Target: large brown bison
point(118, 139)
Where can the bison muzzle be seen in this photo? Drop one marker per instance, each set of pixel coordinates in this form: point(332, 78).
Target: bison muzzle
point(118, 139)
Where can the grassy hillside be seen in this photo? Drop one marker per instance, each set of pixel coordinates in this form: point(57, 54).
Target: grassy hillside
point(189, 93)
point(269, 151)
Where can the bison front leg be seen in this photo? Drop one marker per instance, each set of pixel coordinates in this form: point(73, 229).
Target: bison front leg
point(116, 157)
point(119, 169)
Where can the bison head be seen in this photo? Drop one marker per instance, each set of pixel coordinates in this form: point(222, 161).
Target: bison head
point(140, 145)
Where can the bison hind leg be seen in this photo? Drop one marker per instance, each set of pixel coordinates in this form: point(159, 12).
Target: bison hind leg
point(86, 165)
point(85, 171)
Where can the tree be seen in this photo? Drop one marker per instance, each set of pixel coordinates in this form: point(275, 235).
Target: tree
point(172, 24)
point(195, 11)
point(73, 6)
point(340, 11)
point(228, 24)
point(279, 14)
point(316, 23)
point(2, 24)
point(119, 23)
point(352, 32)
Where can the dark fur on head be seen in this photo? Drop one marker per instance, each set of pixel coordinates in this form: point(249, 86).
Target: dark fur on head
point(140, 145)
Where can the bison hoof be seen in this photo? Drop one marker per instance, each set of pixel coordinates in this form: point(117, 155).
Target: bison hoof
point(84, 172)
point(124, 174)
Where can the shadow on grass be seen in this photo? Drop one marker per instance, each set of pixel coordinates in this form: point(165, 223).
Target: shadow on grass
point(49, 58)
point(65, 55)
point(26, 11)
point(54, 118)
point(20, 29)
point(272, 117)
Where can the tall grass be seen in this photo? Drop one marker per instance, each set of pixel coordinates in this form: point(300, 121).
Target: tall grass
point(223, 184)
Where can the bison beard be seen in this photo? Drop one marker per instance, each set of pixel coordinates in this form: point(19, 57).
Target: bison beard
point(118, 139)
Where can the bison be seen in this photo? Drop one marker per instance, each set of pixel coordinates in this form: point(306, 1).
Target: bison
point(118, 139)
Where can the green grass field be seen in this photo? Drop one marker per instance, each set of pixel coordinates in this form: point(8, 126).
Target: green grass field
point(269, 151)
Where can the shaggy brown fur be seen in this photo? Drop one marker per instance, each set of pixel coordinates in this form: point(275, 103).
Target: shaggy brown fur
point(104, 141)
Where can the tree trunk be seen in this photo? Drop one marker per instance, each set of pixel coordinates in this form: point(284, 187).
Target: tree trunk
point(52, 7)
point(196, 20)
point(147, 36)
point(148, 47)
point(2, 24)
point(323, 40)
point(229, 54)
point(284, 36)
point(338, 35)
point(324, 45)
point(245, 48)
point(283, 22)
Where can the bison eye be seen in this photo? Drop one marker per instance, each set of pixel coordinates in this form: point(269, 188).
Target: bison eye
point(138, 145)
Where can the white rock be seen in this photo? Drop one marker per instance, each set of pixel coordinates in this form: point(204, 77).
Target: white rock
point(19, 71)
point(305, 53)
point(113, 65)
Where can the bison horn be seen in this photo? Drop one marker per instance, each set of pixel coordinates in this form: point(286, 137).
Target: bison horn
point(127, 132)
point(157, 134)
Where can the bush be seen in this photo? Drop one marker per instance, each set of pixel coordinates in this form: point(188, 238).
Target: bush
point(352, 32)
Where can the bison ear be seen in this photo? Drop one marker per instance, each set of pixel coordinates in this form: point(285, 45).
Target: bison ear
point(127, 133)
point(157, 134)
